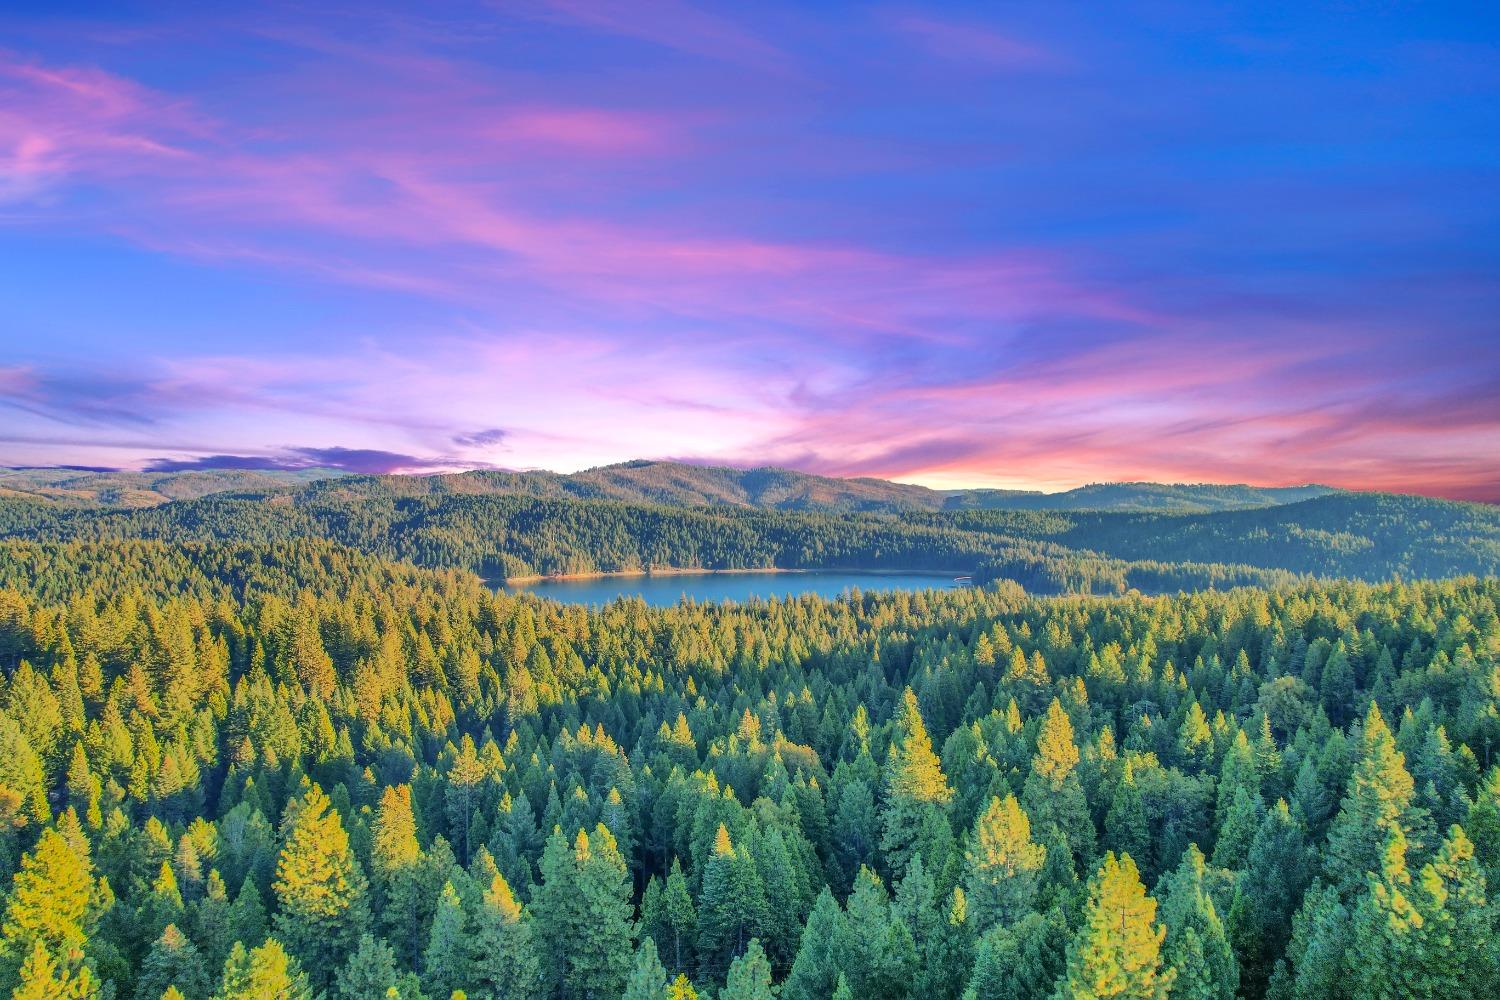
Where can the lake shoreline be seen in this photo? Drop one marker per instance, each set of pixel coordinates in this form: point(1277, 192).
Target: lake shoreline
point(669, 571)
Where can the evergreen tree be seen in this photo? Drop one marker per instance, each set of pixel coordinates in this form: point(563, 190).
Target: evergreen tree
point(1196, 947)
point(371, 973)
point(264, 973)
point(1117, 950)
point(815, 971)
point(53, 904)
point(1377, 804)
point(915, 786)
point(445, 963)
point(1053, 797)
point(1022, 961)
point(504, 962)
point(1001, 865)
point(648, 979)
point(42, 978)
point(749, 976)
point(320, 889)
point(173, 962)
point(732, 906)
point(600, 947)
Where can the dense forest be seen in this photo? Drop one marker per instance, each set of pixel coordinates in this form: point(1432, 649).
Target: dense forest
point(441, 521)
point(291, 768)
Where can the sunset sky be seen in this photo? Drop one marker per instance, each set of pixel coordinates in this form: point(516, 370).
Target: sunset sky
point(1024, 244)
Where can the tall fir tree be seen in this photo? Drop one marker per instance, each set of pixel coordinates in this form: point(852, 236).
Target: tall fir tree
point(504, 964)
point(1117, 950)
point(1001, 865)
point(320, 888)
point(263, 973)
point(1196, 947)
point(915, 787)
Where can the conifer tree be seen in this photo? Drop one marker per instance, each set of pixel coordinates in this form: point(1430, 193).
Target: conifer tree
point(1117, 950)
point(749, 976)
point(320, 889)
point(648, 979)
point(1001, 865)
point(1196, 947)
point(503, 961)
point(1266, 895)
point(264, 973)
point(445, 963)
point(874, 951)
point(600, 947)
point(371, 972)
point(42, 978)
point(815, 971)
point(52, 905)
point(173, 962)
point(914, 786)
point(1053, 796)
point(1022, 961)
point(1377, 804)
point(732, 906)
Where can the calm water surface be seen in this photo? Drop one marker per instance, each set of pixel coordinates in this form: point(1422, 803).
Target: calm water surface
point(666, 590)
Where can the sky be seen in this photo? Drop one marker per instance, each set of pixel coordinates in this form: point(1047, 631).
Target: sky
point(1019, 244)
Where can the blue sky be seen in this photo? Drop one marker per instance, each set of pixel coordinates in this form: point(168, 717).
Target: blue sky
point(1020, 244)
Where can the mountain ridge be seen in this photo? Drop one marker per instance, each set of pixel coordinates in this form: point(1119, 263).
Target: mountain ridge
point(643, 481)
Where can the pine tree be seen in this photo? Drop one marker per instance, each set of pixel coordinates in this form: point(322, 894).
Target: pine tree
point(504, 961)
point(1022, 961)
point(681, 989)
point(1314, 967)
point(749, 976)
point(445, 963)
point(1456, 953)
point(42, 978)
point(815, 971)
point(1001, 865)
point(1378, 803)
point(173, 961)
point(266, 973)
point(648, 979)
point(732, 906)
point(320, 890)
point(600, 947)
point(1196, 947)
point(1266, 895)
point(52, 904)
point(874, 951)
point(1117, 951)
point(1053, 796)
point(914, 786)
point(371, 973)
point(1385, 947)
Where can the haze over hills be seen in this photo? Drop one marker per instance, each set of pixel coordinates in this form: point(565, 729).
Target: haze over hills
point(643, 481)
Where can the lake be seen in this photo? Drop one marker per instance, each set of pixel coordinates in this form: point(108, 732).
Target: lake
point(667, 589)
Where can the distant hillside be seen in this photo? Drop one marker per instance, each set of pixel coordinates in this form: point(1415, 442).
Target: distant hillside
point(479, 522)
point(81, 488)
point(1146, 497)
point(681, 485)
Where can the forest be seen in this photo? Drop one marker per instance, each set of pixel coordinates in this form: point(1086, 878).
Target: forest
point(288, 767)
point(488, 523)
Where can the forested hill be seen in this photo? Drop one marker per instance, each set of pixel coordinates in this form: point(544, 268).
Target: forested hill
point(236, 772)
point(95, 489)
point(679, 484)
point(668, 483)
point(1363, 536)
